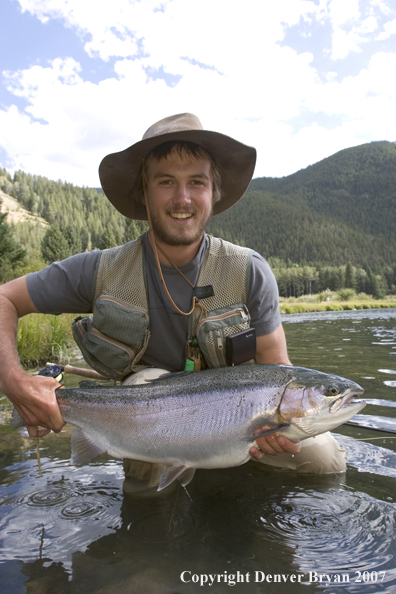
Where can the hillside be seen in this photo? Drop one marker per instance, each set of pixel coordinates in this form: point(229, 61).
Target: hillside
point(16, 213)
point(338, 210)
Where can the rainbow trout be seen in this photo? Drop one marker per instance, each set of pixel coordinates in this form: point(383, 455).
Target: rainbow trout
point(208, 419)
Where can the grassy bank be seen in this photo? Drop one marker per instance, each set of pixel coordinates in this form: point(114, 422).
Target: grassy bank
point(315, 303)
point(43, 338)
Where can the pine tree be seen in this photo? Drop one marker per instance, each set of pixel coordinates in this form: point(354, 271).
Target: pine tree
point(349, 277)
point(55, 246)
point(12, 254)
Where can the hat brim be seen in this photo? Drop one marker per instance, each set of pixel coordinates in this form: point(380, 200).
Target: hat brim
point(119, 173)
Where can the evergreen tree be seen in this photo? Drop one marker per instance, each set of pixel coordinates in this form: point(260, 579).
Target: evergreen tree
point(349, 277)
point(55, 246)
point(12, 254)
point(73, 238)
point(108, 239)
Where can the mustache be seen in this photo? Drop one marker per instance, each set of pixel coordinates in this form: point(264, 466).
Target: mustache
point(180, 208)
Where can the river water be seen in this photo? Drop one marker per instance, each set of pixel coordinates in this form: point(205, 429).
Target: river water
point(251, 528)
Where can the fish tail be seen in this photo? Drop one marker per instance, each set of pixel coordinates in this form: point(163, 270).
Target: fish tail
point(16, 419)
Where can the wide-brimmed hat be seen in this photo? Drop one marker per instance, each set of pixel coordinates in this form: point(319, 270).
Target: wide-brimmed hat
point(120, 173)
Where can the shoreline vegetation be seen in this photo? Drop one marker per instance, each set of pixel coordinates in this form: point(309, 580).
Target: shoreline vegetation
point(46, 338)
point(344, 299)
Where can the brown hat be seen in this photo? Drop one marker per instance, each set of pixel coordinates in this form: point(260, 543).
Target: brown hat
point(120, 172)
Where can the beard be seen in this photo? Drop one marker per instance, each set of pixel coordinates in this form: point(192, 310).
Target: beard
point(182, 236)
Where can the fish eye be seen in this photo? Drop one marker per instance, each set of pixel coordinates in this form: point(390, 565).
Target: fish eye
point(333, 391)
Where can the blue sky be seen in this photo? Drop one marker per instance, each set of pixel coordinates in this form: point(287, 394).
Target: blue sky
point(297, 79)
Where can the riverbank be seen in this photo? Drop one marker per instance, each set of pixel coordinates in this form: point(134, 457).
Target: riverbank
point(291, 305)
point(43, 338)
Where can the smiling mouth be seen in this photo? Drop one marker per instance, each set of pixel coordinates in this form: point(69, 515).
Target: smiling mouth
point(181, 215)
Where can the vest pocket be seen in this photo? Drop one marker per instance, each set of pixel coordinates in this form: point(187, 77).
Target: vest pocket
point(212, 332)
point(125, 323)
point(114, 338)
point(104, 354)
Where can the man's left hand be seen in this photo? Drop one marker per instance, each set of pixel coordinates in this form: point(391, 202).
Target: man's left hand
point(272, 445)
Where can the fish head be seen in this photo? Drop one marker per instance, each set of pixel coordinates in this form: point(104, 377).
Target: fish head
point(315, 402)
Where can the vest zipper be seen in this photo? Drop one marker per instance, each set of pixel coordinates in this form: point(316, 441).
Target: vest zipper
point(223, 316)
point(104, 297)
point(220, 347)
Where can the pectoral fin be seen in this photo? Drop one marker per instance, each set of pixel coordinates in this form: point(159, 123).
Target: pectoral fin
point(265, 432)
point(183, 473)
point(83, 447)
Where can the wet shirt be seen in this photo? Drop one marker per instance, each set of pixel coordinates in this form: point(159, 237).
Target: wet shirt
point(67, 287)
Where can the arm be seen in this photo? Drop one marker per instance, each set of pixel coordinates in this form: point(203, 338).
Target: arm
point(33, 396)
point(272, 348)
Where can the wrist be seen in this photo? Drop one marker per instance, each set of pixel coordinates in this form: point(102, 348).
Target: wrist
point(13, 380)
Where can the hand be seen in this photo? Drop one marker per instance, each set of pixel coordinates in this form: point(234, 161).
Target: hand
point(34, 398)
point(273, 444)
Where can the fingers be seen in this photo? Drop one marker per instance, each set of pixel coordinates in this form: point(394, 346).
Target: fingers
point(272, 445)
point(35, 432)
point(55, 420)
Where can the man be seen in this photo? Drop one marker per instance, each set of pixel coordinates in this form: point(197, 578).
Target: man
point(149, 298)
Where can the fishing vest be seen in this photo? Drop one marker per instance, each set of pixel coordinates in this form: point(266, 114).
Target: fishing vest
point(114, 339)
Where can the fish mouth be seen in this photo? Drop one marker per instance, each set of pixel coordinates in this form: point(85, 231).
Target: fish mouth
point(347, 399)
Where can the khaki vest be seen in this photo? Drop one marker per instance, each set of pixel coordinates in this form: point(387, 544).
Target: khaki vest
point(115, 338)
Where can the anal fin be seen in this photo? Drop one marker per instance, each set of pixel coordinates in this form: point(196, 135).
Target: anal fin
point(184, 474)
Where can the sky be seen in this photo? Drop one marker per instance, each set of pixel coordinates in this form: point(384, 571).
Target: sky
point(298, 79)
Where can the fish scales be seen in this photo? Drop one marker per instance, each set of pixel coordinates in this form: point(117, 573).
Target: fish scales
point(160, 428)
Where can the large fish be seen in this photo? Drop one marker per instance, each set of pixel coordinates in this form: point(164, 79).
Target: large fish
point(208, 419)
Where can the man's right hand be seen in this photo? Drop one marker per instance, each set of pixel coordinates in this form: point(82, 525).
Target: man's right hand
point(33, 396)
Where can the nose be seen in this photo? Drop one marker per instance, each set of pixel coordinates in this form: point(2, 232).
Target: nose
point(182, 194)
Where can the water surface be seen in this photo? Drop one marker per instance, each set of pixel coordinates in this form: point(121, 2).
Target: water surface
point(71, 530)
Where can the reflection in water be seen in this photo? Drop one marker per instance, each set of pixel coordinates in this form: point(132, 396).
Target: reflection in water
point(71, 530)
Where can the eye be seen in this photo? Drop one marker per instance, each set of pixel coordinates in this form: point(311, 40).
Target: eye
point(333, 391)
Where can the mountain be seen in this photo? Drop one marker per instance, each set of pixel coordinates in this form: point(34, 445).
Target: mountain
point(340, 209)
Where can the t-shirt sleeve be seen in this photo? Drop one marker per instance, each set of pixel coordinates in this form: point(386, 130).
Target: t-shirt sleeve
point(65, 286)
point(263, 299)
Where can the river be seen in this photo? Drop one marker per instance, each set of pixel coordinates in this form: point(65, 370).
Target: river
point(251, 528)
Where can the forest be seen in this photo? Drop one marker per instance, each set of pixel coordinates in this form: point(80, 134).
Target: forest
point(327, 227)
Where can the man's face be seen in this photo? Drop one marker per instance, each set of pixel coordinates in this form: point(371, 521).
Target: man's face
point(179, 192)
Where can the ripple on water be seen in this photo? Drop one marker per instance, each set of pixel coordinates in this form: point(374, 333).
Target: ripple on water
point(47, 498)
point(349, 530)
point(40, 517)
point(179, 528)
point(81, 509)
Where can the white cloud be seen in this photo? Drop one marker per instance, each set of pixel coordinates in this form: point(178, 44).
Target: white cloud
point(389, 29)
point(251, 87)
point(355, 23)
point(343, 11)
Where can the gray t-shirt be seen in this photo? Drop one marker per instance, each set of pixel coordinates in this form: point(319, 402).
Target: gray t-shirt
point(67, 287)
